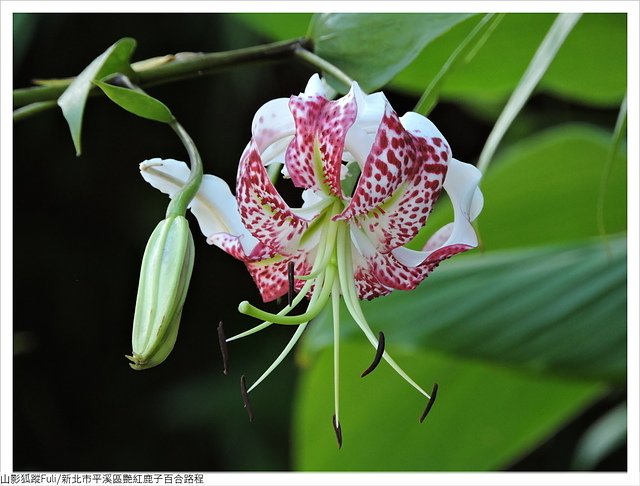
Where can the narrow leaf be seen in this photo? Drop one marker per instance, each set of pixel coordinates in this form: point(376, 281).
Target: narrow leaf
point(536, 69)
point(72, 102)
point(137, 102)
point(616, 139)
point(463, 53)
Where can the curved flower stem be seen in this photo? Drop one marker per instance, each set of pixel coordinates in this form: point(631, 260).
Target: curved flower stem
point(326, 66)
point(180, 201)
point(283, 312)
point(312, 311)
point(348, 287)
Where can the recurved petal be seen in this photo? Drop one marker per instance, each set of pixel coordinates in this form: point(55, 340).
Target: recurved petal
point(401, 180)
point(367, 285)
point(262, 210)
point(314, 157)
point(233, 245)
point(269, 270)
point(272, 123)
point(214, 206)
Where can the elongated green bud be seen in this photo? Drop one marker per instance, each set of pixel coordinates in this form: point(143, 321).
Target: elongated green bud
point(164, 280)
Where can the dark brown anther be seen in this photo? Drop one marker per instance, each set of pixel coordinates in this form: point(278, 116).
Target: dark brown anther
point(432, 400)
point(245, 397)
point(291, 283)
point(223, 348)
point(338, 430)
point(377, 357)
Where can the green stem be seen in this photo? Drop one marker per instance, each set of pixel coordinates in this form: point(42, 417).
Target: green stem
point(187, 66)
point(31, 109)
point(179, 202)
point(316, 61)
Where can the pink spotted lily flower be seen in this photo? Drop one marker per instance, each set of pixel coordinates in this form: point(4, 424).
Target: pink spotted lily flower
point(345, 240)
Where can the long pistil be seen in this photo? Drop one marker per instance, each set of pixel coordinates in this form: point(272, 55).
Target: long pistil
point(335, 305)
point(349, 292)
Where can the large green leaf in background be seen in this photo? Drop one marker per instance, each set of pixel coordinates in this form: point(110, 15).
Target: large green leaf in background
point(373, 48)
point(552, 310)
point(590, 66)
point(485, 416)
point(559, 310)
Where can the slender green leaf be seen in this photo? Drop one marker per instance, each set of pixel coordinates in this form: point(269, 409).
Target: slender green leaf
point(558, 310)
point(72, 102)
point(536, 69)
point(137, 102)
point(616, 140)
point(463, 53)
point(485, 416)
point(589, 68)
point(373, 48)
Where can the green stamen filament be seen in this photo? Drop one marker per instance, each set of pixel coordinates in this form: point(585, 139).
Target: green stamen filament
point(348, 287)
point(296, 300)
point(312, 311)
point(292, 342)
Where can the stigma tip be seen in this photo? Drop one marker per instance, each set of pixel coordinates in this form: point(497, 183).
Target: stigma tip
point(377, 357)
point(245, 397)
point(338, 430)
point(432, 400)
point(223, 349)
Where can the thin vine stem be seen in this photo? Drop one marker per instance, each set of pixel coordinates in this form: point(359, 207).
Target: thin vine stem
point(324, 65)
point(181, 67)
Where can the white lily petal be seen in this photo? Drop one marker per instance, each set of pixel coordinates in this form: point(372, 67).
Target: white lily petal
point(274, 153)
point(271, 123)
point(313, 203)
point(214, 206)
point(362, 134)
point(461, 185)
point(420, 126)
point(315, 86)
point(476, 204)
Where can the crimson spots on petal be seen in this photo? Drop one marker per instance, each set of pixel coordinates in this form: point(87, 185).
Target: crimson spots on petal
point(272, 279)
point(262, 210)
point(323, 122)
